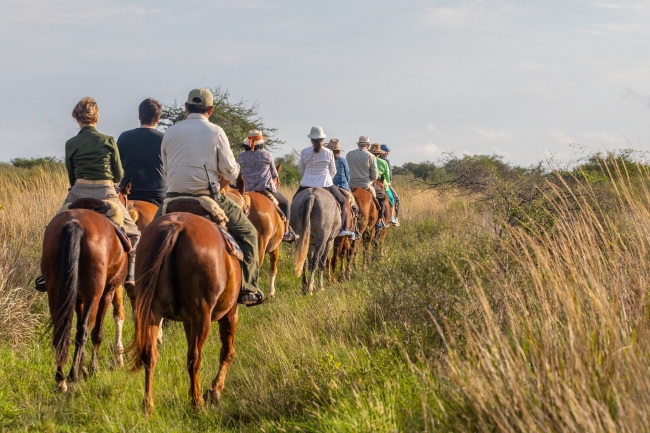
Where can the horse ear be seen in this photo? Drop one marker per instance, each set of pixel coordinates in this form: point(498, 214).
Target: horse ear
point(278, 168)
point(241, 184)
point(126, 190)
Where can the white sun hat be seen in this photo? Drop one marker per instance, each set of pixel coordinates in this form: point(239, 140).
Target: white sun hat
point(316, 133)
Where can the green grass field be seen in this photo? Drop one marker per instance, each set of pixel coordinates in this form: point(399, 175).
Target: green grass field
point(453, 329)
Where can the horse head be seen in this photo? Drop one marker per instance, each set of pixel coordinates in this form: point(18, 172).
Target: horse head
point(123, 192)
point(278, 168)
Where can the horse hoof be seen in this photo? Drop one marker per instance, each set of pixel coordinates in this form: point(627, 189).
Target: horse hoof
point(62, 387)
point(271, 293)
point(199, 404)
point(147, 409)
point(212, 397)
point(117, 362)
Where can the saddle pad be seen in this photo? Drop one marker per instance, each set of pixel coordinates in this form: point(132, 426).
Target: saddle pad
point(121, 235)
point(232, 246)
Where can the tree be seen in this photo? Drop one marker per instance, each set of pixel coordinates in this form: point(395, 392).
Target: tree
point(236, 119)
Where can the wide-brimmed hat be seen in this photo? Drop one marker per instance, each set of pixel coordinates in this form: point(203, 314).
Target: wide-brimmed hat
point(256, 137)
point(363, 141)
point(334, 145)
point(385, 148)
point(316, 133)
point(375, 149)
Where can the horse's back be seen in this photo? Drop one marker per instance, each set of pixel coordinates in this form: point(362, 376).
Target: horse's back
point(325, 216)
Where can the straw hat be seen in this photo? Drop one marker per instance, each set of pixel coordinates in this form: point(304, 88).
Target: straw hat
point(375, 149)
point(256, 137)
point(316, 133)
point(334, 145)
point(363, 141)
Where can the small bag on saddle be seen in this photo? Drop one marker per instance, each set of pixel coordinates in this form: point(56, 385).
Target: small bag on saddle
point(205, 207)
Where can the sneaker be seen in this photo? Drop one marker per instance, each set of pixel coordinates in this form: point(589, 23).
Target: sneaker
point(380, 224)
point(394, 221)
point(289, 237)
point(39, 284)
point(249, 298)
point(346, 233)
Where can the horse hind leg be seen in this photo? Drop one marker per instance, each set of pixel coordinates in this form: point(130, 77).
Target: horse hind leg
point(118, 317)
point(97, 334)
point(227, 329)
point(149, 359)
point(197, 333)
point(83, 319)
point(273, 270)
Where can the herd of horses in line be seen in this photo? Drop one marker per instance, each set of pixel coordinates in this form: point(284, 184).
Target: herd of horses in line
point(184, 273)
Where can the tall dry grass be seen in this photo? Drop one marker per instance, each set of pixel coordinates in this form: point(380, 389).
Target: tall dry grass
point(28, 200)
point(555, 328)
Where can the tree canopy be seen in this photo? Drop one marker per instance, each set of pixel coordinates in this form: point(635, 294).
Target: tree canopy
point(236, 119)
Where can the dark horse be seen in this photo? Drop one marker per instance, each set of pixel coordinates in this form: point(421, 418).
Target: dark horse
point(84, 265)
point(186, 275)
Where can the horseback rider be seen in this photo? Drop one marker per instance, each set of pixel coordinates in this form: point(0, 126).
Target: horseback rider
point(94, 167)
point(140, 154)
point(384, 157)
point(194, 153)
point(317, 168)
point(258, 168)
point(342, 177)
point(382, 168)
point(363, 171)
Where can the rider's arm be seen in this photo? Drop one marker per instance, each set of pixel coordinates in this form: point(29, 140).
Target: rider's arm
point(226, 163)
point(116, 163)
point(332, 165)
point(374, 172)
point(346, 171)
point(68, 164)
point(301, 164)
point(274, 171)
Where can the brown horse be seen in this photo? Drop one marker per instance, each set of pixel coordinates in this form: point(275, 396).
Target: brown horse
point(368, 216)
point(84, 266)
point(185, 275)
point(342, 248)
point(141, 211)
point(270, 229)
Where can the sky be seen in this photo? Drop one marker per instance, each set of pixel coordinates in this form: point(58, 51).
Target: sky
point(525, 80)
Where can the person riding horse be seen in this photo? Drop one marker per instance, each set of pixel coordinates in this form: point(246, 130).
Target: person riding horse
point(383, 168)
point(363, 171)
point(194, 153)
point(317, 168)
point(258, 168)
point(140, 154)
point(94, 167)
point(384, 157)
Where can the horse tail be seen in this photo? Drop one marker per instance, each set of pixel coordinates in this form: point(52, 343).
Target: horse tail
point(160, 249)
point(303, 241)
point(69, 252)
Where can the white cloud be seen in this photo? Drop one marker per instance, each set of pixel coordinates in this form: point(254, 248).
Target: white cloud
point(472, 13)
point(491, 135)
point(431, 127)
point(605, 5)
point(636, 96)
point(560, 136)
point(428, 150)
point(604, 138)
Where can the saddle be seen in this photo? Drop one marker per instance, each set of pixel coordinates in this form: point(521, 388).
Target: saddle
point(351, 199)
point(110, 210)
point(205, 207)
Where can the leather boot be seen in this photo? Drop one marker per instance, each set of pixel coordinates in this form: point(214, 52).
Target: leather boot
point(130, 276)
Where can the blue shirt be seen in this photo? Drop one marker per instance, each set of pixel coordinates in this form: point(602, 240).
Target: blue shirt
point(342, 173)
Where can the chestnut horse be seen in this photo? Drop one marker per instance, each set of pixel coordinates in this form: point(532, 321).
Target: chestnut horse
point(84, 265)
point(185, 275)
point(367, 221)
point(141, 211)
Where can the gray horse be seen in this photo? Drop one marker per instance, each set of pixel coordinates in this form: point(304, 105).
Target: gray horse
point(316, 218)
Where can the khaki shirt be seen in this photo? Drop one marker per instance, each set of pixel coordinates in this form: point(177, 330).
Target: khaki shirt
point(92, 155)
point(363, 168)
point(190, 144)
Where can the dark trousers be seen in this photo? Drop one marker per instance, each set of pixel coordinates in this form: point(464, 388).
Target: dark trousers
point(381, 198)
point(283, 203)
point(396, 197)
point(340, 198)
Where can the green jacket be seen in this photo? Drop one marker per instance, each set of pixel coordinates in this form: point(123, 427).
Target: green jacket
point(382, 168)
point(93, 156)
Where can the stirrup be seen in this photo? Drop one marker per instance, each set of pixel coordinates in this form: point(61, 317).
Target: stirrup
point(251, 299)
point(39, 284)
point(289, 237)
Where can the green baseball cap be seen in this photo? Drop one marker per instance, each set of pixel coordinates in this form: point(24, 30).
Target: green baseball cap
point(200, 97)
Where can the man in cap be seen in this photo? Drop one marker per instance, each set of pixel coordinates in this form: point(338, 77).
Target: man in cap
point(317, 168)
point(194, 146)
point(363, 171)
point(258, 168)
point(140, 154)
point(384, 157)
point(384, 169)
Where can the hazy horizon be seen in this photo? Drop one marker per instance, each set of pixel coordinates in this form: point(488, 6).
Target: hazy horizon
point(477, 77)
